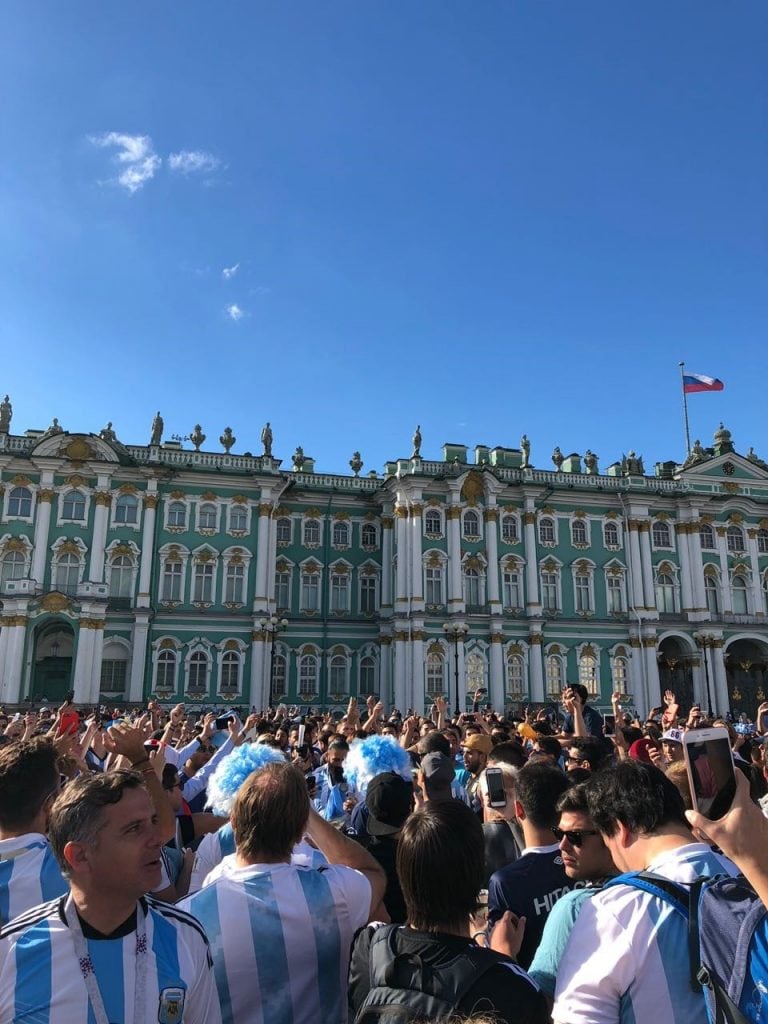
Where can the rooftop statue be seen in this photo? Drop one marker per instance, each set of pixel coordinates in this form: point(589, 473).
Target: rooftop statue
point(55, 427)
point(197, 437)
point(525, 448)
point(6, 415)
point(557, 458)
point(107, 433)
point(227, 439)
point(266, 440)
point(417, 443)
point(590, 462)
point(356, 463)
point(157, 429)
point(298, 459)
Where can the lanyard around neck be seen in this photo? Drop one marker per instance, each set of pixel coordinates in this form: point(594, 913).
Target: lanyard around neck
point(88, 972)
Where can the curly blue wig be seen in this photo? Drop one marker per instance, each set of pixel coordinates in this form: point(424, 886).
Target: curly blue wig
point(234, 770)
point(371, 757)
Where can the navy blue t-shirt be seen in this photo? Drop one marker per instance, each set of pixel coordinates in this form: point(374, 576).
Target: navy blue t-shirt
point(592, 719)
point(529, 887)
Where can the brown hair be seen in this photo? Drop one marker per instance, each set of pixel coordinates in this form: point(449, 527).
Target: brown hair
point(270, 812)
point(28, 777)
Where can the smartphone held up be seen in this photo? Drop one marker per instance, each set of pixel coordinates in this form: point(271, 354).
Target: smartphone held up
point(711, 771)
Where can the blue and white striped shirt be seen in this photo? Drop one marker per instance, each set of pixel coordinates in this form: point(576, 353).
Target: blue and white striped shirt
point(41, 981)
point(29, 875)
point(281, 937)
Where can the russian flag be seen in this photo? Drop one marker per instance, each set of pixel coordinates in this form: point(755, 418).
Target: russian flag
point(693, 382)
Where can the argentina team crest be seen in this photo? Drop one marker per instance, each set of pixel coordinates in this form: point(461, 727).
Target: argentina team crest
point(171, 1008)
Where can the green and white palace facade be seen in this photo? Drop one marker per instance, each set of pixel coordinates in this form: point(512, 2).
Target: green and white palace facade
point(217, 578)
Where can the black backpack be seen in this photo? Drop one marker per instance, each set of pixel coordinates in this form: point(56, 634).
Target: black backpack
point(405, 989)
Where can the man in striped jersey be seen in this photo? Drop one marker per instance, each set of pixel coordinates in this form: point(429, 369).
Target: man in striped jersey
point(29, 781)
point(281, 933)
point(106, 953)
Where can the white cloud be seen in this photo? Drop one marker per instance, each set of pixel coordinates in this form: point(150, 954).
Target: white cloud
point(228, 272)
point(193, 161)
point(234, 312)
point(135, 153)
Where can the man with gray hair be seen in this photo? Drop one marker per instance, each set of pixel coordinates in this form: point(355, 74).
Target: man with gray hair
point(106, 952)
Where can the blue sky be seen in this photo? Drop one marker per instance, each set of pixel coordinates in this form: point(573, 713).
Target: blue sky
point(484, 217)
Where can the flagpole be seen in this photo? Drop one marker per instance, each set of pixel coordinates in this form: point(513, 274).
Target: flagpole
point(685, 409)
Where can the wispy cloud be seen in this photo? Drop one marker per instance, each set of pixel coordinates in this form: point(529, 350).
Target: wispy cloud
point(193, 161)
point(234, 312)
point(136, 155)
point(228, 272)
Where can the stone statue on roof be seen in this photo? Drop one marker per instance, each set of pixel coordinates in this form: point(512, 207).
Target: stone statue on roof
point(417, 443)
point(6, 415)
point(55, 427)
point(590, 462)
point(266, 440)
point(525, 448)
point(557, 458)
point(107, 433)
point(157, 429)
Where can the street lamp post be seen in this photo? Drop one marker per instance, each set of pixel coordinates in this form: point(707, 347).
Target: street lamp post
point(454, 632)
point(272, 626)
point(704, 640)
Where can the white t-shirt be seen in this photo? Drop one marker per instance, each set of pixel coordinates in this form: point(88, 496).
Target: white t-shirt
point(41, 981)
point(626, 961)
point(29, 875)
point(281, 937)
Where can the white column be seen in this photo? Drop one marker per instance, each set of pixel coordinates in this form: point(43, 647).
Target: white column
point(533, 605)
point(386, 565)
point(84, 664)
point(699, 680)
point(98, 655)
point(697, 568)
point(455, 590)
point(496, 672)
point(635, 684)
point(42, 527)
point(417, 571)
point(686, 581)
point(14, 628)
point(401, 541)
point(653, 693)
point(635, 566)
point(385, 673)
point(139, 643)
point(147, 549)
point(258, 697)
point(725, 576)
point(755, 587)
point(260, 602)
point(417, 670)
point(102, 501)
point(720, 697)
point(536, 668)
point(401, 701)
point(647, 565)
point(491, 517)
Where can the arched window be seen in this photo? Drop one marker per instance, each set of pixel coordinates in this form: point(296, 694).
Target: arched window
point(67, 573)
point(338, 679)
point(615, 592)
point(735, 538)
point(121, 576)
point(611, 535)
point(515, 670)
point(582, 595)
point(435, 674)
point(279, 676)
point(283, 588)
point(434, 585)
point(177, 514)
point(238, 518)
point(197, 676)
point(762, 541)
point(549, 595)
point(471, 525)
point(588, 670)
point(546, 531)
point(511, 596)
point(283, 531)
point(368, 536)
point(711, 591)
point(707, 537)
point(340, 534)
point(202, 583)
point(554, 675)
point(739, 595)
point(509, 529)
point(234, 583)
point(311, 532)
point(230, 672)
point(579, 533)
point(166, 671)
point(20, 502)
point(619, 674)
point(369, 594)
point(662, 538)
point(206, 517)
point(127, 509)
point(472, 588)
point(12, 566)
point(308, 675)
point(339, 592)
point(73, 506)
point(665, 592)
point(172, 577)
point(310, 591)
point(433, 523)
point(367, 675)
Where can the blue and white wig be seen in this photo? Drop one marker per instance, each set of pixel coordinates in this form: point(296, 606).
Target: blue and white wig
point(371, 757)
point(229, 776)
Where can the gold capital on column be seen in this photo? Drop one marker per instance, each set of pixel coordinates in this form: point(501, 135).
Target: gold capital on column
point(496, 638)
point(387, 522)
point(490, 515)
point(401, 511)
point(45, 494)
point(103, 498)
point(535, 639)
point(453, 512)
point(150, 500)
point(265, 509)
point(529, 518)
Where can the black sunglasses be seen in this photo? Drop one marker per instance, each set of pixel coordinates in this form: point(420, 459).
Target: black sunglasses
point(574, 836)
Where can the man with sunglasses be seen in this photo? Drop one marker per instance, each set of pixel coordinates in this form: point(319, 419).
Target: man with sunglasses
point(588, 863)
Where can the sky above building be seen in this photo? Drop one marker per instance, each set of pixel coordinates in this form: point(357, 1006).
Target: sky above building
point(347, 218)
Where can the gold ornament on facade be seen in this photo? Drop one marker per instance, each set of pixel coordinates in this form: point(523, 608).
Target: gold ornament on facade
point(472, 488)
point(496, 638)
point(121, 549)
point(369, 570)
point(644, 526)
point(721, 531)
point(662, 516)
point(649, 641)
point(612, 515)
point(76, 480)
point(13, 620)
point(265, 508)
point(737, 518)
point(706, 517)
point(579, 514)
point(45, 494)
point(583, 566)
point(208, 496)
point(259, 636)
point(490, 515)
point(92, 623)
point(128, 489)
point(529, 518)
point(401, 511)
point(20, 480)
point(736, 693)
point(77, 450)
point(69, 547)
point(417, 510)
point(634, 641)
point(387, 522)
point(235, 560)
point(55, 602)
point(535, 639)
point(313, 513)
point(206, 556)
point(311, 568)
point(548, 511)
point(434, 648)
point(103, 498)
point(385, 641)
point(419, 634)
point(150, 500)
point(341, 517)
point(730, 488)
point(453, 512)
point(340, 569)
point(752, 533)
point(167, 644)
point(400, 636)
point(549, 566)
point(178, 495)
point(15, 544)
point(434, 561)
point(282, 566)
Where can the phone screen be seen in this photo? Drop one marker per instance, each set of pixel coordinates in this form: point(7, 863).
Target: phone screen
point(497, 796)
point(610, 725)
point(711, 774)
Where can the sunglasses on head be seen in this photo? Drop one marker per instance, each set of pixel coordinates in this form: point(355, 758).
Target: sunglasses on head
point(574, 836)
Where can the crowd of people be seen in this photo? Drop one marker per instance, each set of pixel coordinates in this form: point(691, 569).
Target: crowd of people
point(289, 868)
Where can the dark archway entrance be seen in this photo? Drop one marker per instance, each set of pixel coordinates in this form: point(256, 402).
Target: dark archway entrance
point(676, 671)
point(746, 668)
point(53, 662)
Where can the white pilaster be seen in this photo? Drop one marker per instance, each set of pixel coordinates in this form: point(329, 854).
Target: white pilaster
point(139, 643)
point(756, 602)
point(686, 581)
point(259, 690)
point(647, 566)
point(102, 502)
point(697, 569)
point(98, 656)
point(416, 695)
point(84, 665)
point(14, 629)
point(536, 668)
point(496, 672)
point(533, 605)
point(401, 696)
point(147, 556)
point(725, 576)
point(491, 517)
point(260, 602)
point(386, 566)
point(653, 691)
point(385, 673)
point(720, 697)
point(455, 590)
point(401, 578)
point(417, 572)
point(42, 528)
point(635, 567)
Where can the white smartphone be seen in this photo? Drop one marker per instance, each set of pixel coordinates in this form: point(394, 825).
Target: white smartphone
point(711, 773)
point(494, 780)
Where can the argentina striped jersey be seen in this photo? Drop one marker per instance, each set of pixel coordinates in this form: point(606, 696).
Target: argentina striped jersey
point(29, 875)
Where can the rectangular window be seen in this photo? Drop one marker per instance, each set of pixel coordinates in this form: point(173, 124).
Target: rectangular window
point(615, 595)
point(203, 588)
point(368, 589)
point(171, 582)
point(283, 590)
point(434, 588)
point(549, 591)
point(511, 590)
point(581, 586)
point(233, 590)
point(339, 592)
point(113, 674)
point(310, 592)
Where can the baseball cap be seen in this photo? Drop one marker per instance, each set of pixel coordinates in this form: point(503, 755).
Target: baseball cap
point(478, 741)
point(672, 736)
point(389, 799)
point(438, 769)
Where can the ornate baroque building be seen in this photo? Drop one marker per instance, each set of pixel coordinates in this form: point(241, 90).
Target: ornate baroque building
point(132, 570)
